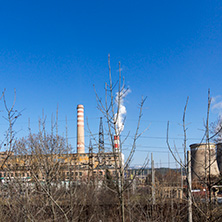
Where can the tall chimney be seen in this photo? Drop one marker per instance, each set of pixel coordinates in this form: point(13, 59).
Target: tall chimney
point(116, 143)
point(80, 129)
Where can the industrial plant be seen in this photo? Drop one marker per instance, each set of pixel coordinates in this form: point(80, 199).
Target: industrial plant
point(79, 166)
point(205, 159)
point(48, 168)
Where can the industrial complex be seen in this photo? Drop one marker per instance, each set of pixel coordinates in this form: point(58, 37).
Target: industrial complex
point(205, 159)
point(67, 166)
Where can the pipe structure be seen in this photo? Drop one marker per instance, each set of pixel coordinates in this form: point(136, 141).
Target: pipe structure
point(203, 161)
point(80, 129)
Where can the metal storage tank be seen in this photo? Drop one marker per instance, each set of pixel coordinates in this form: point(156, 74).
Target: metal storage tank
point(200, 157)
point(219, 156)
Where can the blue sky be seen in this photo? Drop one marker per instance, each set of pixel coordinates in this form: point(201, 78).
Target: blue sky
point(53, 52)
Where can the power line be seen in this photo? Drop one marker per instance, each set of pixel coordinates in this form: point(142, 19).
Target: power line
point(147, 137)
point(155, 151)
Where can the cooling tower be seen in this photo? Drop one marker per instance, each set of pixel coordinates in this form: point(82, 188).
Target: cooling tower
point(80, 129)
point(201, 154)
point(219, 156)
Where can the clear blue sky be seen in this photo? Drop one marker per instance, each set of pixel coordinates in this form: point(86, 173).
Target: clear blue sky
point(53, 52)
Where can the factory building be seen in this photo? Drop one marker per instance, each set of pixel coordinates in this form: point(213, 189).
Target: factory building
point(71, 166)
point(205, 159)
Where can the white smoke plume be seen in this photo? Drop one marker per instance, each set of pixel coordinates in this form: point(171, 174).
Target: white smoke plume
point(217, 125)
point(217, 105)
point(122, 109)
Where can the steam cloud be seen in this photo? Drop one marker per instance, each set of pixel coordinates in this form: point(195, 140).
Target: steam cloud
point(122, 109)
point(217, 105)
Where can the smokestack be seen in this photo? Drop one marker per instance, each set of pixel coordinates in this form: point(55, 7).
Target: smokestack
point(200, 158)
point(80, 129)
point(116, 143)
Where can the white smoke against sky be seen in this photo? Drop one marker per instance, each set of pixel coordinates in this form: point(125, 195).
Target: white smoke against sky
point(217, 105)
point(122, 109)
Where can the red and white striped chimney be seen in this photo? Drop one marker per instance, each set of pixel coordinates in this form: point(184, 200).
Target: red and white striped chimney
point(116, 143)
point(80, 129)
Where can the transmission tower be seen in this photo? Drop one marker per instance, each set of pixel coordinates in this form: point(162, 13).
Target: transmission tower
point(101, 136)
point(90, 164)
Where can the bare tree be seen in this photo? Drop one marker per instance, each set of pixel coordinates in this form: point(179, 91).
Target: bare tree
point(111, 109)
point(206, 210)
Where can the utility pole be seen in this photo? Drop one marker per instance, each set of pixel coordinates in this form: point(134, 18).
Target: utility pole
point(153, 180)
point(189, 186)
point(169, 167)
point(181, 172)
